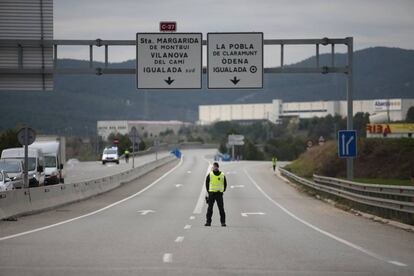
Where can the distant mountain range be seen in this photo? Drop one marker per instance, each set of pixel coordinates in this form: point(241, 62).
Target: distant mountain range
point(79, 101)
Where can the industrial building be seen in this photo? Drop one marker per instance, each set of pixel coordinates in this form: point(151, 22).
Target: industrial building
point(380, 110)
point(144, 128)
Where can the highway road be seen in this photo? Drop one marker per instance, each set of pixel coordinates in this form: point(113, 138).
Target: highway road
point(155, 226)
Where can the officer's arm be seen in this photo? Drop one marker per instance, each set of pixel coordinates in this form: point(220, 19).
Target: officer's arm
point(225, 183)
point(208, 182)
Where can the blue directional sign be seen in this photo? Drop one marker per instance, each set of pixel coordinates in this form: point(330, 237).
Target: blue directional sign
point(347, 143)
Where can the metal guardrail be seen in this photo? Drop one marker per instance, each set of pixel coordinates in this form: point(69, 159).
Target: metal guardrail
point(371, 188)
point(397, 198)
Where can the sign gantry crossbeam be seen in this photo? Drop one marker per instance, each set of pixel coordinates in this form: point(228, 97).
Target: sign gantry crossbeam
point(106, 69)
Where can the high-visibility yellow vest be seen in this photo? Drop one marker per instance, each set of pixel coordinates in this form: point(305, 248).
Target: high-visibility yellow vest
point(274, 161)
point(216, 182)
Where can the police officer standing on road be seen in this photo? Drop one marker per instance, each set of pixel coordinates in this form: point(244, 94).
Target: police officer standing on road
point(216, 185)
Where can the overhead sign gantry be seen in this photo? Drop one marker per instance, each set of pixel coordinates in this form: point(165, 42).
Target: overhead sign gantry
point(167, 78)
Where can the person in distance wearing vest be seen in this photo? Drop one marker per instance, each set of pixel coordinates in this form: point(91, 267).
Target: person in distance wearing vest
point(216, 185)
point(274, 160)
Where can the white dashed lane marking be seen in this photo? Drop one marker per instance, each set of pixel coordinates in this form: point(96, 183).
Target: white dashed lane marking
point(179, 239)
point(167, 258)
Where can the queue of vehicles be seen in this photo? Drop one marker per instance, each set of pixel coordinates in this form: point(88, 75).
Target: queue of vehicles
point(46, 157)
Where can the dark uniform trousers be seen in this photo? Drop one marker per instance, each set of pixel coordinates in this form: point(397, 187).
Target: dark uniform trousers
point(212, 197)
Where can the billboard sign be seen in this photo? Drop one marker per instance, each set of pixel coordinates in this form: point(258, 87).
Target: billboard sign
point(387, 104)
point(390, 128)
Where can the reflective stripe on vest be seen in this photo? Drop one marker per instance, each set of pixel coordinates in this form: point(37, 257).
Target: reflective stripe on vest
point(216, 182)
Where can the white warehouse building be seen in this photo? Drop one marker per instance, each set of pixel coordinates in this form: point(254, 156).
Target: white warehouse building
point(380, 110)
point(150, 128)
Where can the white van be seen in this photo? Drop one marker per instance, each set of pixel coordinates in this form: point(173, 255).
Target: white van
point(53, 160)
point(35, 164)
point(110, 155)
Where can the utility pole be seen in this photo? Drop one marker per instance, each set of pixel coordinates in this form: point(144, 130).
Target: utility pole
point(350, 112)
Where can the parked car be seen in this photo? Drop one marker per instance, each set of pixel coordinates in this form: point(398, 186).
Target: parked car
point(14, 169)
point(6, 184)
point(110, 155)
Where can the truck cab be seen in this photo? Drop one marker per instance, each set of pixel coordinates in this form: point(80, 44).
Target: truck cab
point(53, 162)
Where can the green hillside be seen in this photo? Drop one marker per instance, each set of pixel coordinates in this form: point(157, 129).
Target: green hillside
point(79, 101)
point(376, 159)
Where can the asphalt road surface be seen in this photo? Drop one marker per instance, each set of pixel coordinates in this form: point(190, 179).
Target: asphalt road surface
point(158, 229)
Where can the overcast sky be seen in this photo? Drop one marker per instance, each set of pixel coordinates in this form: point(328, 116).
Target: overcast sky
point(371, 22)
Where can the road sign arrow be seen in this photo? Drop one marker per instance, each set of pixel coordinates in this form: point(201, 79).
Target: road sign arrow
point(235, 80)
point(347, 144)
point(255, 213)
point(145, 212)
point(169, 81)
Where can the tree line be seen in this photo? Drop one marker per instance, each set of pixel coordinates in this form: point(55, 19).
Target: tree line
point(263, 139)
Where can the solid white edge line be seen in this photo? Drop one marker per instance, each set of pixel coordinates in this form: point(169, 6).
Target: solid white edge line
point(199, 206)
point(397, 263)
point(332, 236)
point(94, 212)
point(167, 258)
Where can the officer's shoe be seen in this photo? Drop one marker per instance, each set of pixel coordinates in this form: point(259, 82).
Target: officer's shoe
point(207, 224)
point(223, 225)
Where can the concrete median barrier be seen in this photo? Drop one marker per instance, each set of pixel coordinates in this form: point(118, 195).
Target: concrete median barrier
point(24, 201)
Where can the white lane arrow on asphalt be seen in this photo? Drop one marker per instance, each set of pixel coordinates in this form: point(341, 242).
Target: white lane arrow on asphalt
point(255, 213)
point(236, 186)
point(145, 212)
point(178, 185)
